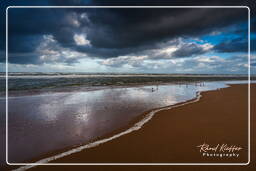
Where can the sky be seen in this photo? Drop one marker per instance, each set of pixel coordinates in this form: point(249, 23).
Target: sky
point(130, 40)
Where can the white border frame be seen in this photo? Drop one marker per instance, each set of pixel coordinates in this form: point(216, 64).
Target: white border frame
point(249, 82)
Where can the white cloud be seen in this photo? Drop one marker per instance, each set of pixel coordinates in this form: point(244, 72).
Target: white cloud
point(199, 64)
point(129, 61)
point(51, 52)
point(80, 39)
point(178, 48)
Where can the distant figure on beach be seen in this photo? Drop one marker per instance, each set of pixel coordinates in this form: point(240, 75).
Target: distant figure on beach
point(152, 89)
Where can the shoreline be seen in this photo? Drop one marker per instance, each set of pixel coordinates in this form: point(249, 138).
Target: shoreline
point(128, 129)
point(141, 140)
point(134, 125)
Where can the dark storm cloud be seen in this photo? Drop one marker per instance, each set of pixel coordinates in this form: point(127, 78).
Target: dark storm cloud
point(113, 32)
point(38, 22)
point(122, 28)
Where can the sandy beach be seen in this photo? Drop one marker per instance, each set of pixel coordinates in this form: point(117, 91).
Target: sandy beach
point(120, 86)
point(172, 136)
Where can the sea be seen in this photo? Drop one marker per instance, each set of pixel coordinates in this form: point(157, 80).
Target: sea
point(34, 82)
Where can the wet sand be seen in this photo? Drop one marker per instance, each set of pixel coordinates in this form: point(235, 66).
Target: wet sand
point(172, 136)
